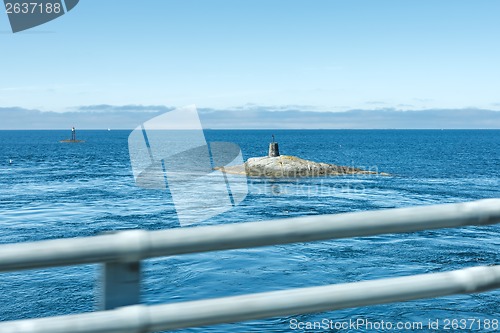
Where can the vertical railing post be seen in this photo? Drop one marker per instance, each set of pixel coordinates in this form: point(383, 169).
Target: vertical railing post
point(121, 284)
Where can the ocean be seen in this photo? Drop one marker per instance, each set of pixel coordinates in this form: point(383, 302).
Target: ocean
point(55, 190)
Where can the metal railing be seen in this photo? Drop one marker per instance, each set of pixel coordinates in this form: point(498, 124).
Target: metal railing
point(122, 252)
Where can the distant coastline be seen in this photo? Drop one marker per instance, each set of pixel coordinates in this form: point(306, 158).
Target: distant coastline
point(256, 118)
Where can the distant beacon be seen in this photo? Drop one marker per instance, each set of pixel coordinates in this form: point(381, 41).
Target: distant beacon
point(273, 149)
point(73, 137)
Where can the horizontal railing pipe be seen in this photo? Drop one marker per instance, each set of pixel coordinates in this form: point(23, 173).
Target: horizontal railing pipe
point(142, 318)
point(134, 245)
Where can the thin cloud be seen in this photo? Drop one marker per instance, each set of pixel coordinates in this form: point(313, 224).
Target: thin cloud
point(257, 107)
point(123, 108)
point(375, 103)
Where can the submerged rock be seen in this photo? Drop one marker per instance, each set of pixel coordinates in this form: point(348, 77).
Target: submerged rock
point(291, 166)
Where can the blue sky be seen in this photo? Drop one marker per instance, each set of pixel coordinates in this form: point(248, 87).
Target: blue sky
point(313, 55)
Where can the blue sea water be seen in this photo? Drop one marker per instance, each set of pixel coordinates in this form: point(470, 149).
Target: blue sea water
point(55, 190)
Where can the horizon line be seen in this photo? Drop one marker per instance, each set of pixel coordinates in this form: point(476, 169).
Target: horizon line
point(262, 129)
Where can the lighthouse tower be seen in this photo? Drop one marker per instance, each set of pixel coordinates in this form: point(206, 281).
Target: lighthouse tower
point(273, 149)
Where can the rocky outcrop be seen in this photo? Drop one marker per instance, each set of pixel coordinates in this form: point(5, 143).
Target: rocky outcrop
point(291, 166)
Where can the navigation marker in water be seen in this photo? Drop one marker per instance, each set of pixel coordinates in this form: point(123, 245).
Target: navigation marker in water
point(73, 137)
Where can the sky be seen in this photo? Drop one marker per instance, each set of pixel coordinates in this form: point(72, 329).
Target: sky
point(306, 55)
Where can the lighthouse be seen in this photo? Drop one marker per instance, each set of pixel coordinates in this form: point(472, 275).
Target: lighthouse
point(273, 149)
